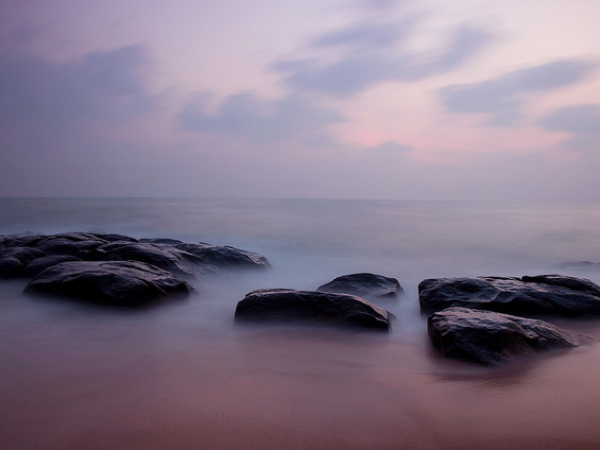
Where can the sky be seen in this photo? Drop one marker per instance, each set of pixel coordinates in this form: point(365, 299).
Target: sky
point(423, 100)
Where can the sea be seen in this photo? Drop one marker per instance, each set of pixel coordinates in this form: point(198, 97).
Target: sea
point(185, 376)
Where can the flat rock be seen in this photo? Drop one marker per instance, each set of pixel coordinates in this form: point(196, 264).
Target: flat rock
point(491, 338)
point(366, 285)
point(310, 307)
point(529, 295)
point(119, 283)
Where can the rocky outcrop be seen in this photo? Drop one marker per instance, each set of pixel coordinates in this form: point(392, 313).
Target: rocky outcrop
point(310, 307)
point(117, 283)
point(365, 285)
point(14, 259)
point(112, 268)
point(488, 337)
point(26, 256)
point(529, 295)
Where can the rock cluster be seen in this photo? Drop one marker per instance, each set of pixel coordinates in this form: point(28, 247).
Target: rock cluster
point(476, 319)
point(114, 269)
point(543, 294)
point(469, 316)
point(319, 308)
point(340, 303)
point(366, 285)
point(489, 338)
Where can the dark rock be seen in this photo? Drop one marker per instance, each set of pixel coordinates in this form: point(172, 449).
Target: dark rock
point(168, 254)
point(10, 268)
point(14, 259)
point(113, 237)
point(543, 294)
point(222, 256)
point(72, 244)
point(117, 283)
point(163, 256)
point(22, 240)
point(38, 265)
point(23, 254)
point(161, 241)
point(365, 285)
point(318, 308)
point(488, 337)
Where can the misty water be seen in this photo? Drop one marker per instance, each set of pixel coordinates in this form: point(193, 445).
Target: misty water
point(183, 375)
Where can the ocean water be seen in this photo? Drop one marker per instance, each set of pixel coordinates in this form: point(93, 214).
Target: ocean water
point(184, 376)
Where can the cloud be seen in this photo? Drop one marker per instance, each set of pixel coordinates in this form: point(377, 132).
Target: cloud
point(388, 149)
point(502, 98)
point(247, 116)
point(365, 34)
point(379, 5)
point(581, 121)
point(369, 56)
point(58, 121)
point(38, 94)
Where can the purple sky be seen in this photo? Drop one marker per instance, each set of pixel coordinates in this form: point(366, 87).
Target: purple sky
point(428, 99)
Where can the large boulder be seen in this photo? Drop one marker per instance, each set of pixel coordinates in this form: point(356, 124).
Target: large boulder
point(366, 285)
point(542, 294)
point(318, 308)
point(488, 337)
point(119, 283)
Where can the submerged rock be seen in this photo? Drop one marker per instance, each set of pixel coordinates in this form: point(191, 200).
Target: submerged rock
point(118, 283)
point(488, 337)
point(318, 308)
point(543, 294)
point(366, 285)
